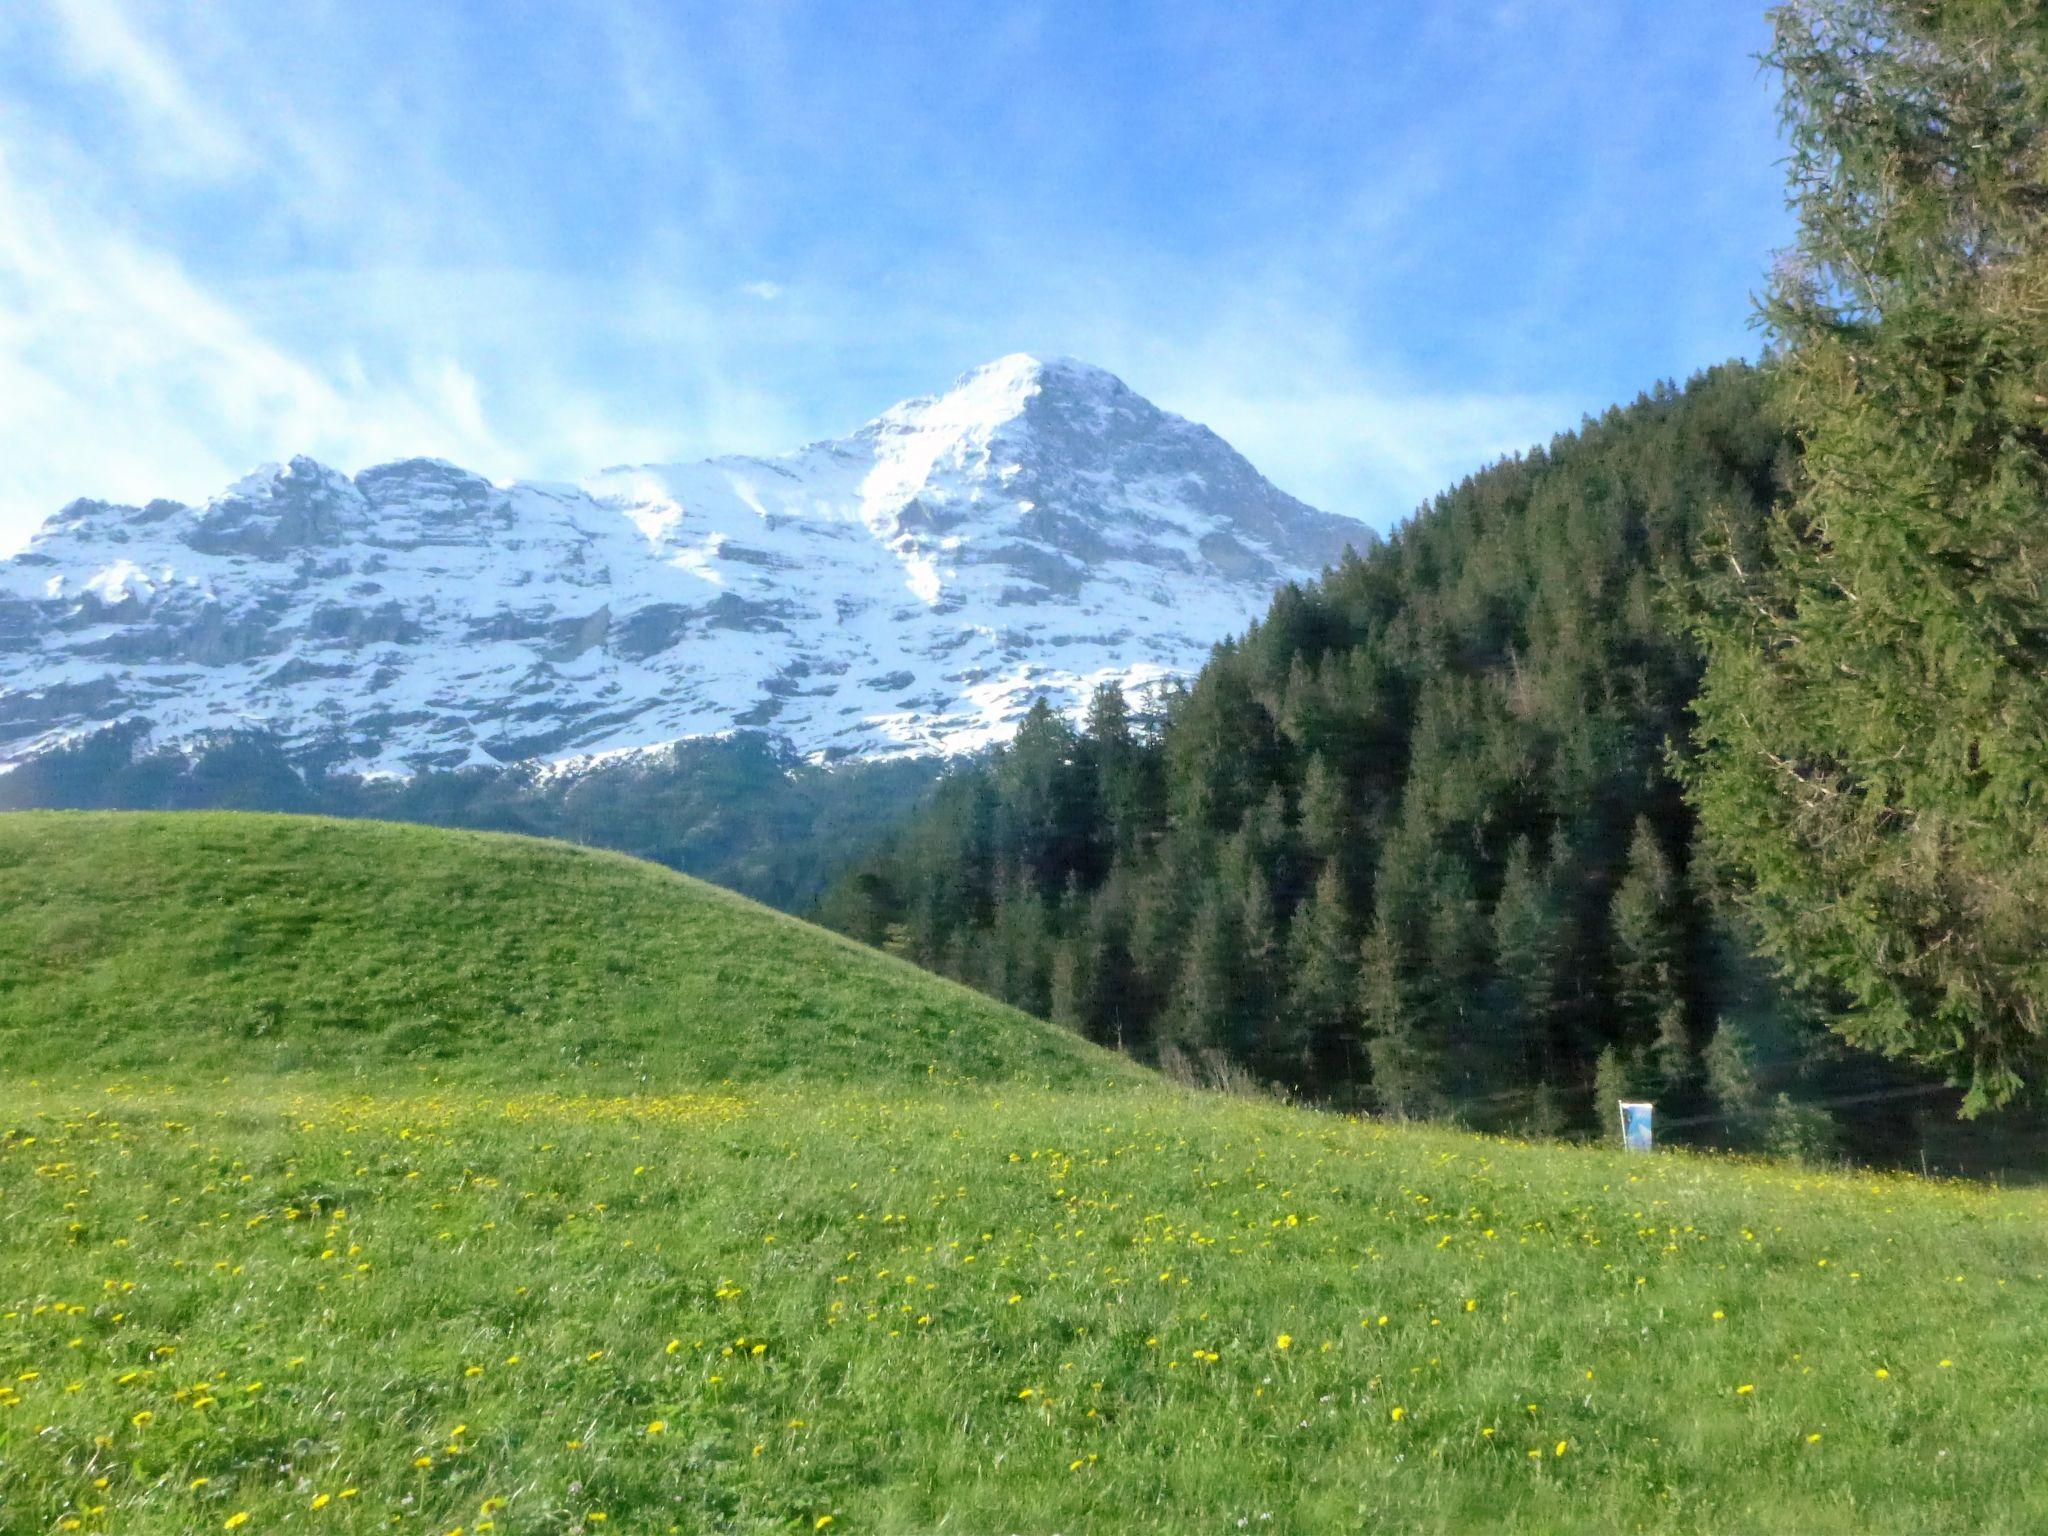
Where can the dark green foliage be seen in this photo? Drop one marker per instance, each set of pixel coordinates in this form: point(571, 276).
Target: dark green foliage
point(1322, 982)
point(1211, 998)
point(1403, 1054)
point(1617, 1075)
point(1644, 922)
point(1408, 842)
point(1529, 945)
point(1730, 1060)
point(1874, 762)
point(1413, 842)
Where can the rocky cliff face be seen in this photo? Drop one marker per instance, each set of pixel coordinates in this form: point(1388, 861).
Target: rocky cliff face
point(910, 588)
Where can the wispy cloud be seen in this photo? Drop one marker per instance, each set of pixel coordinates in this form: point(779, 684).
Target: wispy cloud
point(176, 130)
point(1387, 246)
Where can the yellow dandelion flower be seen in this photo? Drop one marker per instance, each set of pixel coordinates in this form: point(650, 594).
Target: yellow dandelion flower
point(1398, 1414)
point(658, 1427)
point(1745, 1389)
point(235, 1521)
point(1285, 1341)
point(322, 1500)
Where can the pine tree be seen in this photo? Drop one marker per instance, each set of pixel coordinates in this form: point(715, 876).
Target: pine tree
point(1872, 758)
point(1117, 1012)
point(1121, 778)
point(1222, 751)
point(1734, 1082)
point(1615, 1078)
point(1322, 974)
point(1265, 1033)
point(1326, 822)
point(1644, 920)
point(1478, 1050)
point(1208, 1004)
point(1070, 984)
point(1406, 1066)
point(1529, 950)
point(1671, 1053)
point(1020, 959)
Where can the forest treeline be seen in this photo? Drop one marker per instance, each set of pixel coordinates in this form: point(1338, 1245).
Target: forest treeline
point(1497, 820)
point(1413, 842)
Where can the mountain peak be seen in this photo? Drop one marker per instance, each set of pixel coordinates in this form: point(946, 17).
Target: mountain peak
point(1033, 529)
point(984, 399)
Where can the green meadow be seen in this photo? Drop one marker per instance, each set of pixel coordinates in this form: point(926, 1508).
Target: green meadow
point(356, 1177)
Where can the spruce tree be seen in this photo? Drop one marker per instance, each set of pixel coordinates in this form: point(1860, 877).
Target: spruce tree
point(1873, 765)
point(1478, 1047)
point(1615, 1078)
point(1326, 821)
point(1207, 1011)
point(1735, 1083)
point(1071, 984)
point(1643, 917)
point(1322, 984)
point(1406, 1063)
point(1529, 951)
point(1120, 772)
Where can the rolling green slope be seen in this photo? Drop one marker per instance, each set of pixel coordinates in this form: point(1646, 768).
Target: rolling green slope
point(359, 1178)
point(225, 941)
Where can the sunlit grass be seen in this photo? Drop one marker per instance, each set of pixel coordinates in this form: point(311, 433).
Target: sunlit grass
point(961, 1279)
point(752, 1311)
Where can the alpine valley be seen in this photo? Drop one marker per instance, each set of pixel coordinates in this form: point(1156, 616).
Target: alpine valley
point(905, 591)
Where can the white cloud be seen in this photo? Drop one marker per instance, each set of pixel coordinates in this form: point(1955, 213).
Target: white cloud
point(230, 232)
point(181, 133)
point(125, 378)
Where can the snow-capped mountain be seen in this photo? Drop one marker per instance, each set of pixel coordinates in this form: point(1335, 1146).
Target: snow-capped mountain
point(1036, 529)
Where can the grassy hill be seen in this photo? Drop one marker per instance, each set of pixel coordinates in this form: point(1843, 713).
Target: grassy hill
point(221, 941)
point(363, 1178)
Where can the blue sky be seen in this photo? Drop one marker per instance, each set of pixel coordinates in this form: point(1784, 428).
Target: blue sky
point(1373, 245)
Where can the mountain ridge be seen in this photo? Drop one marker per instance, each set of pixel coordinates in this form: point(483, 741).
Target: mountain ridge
point(907, 589)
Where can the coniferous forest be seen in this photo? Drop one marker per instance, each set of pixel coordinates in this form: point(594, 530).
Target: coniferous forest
point(1556, 796)
point(1416, 842)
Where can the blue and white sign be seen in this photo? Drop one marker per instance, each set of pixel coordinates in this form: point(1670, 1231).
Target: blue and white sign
point(1635, 1125)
